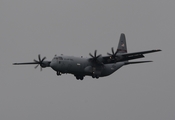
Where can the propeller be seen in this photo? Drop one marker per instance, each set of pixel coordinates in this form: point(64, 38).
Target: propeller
point(40, 62)
point(95, 56)
point(113, 54)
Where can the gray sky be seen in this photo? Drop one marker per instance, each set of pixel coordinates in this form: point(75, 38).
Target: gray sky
point(77, 27)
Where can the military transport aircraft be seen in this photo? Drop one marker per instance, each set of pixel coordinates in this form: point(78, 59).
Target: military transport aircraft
point(95, 66)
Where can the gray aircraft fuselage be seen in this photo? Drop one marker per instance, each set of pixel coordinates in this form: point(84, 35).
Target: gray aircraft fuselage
point(80, 66)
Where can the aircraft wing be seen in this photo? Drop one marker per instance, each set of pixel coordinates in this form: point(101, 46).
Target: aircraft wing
point(143, 52)
point(27, 63)
point(42, 64)
point(38, 62)
point(126, 56)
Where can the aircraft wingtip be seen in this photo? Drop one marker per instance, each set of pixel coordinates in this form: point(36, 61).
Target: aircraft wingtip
point(15, 64)
point(157, 50)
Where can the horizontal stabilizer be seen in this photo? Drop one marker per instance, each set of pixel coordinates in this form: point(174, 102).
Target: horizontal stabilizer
point(136, 62)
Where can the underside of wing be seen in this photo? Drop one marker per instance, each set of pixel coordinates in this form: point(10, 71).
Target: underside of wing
point(136, 62)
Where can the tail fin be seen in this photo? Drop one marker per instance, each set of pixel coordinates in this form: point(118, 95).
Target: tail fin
point(122, 48)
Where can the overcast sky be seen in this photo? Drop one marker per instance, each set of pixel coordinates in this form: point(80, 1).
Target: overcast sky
point(77, 27)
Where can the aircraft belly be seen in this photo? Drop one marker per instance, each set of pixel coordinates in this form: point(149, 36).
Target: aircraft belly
point(75, 68)
point(111, 68)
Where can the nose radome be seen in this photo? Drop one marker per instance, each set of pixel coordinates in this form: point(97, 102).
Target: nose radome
point(53, 63)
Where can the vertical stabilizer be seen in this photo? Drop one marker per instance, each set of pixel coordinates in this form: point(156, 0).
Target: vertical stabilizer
point(122, 48)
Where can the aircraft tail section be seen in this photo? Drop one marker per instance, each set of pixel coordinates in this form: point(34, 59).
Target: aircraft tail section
point(122, 47)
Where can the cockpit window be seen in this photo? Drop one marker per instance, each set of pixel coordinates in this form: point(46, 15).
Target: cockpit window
point(59, 58)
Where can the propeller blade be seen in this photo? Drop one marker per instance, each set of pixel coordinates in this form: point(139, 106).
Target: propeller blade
point(91, 55)
point(112, 49)
point(43, 59)
point(98, 56)
point(95, 53)
point(109, 54)
point(116, 52)
point(39, 57)
point(36, 66)
point(35, 61)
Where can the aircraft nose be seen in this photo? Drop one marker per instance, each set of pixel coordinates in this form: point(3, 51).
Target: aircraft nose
point(53, 64)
